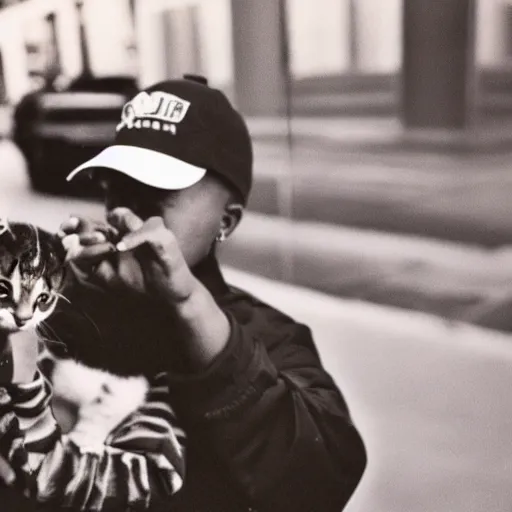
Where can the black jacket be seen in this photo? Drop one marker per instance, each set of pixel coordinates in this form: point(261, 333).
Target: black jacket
point(268, 430)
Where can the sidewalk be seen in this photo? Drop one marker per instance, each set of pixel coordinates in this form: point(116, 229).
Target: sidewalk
point(431, 400)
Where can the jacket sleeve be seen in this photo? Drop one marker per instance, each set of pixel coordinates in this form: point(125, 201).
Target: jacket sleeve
point(140, 464)
point(275, 419)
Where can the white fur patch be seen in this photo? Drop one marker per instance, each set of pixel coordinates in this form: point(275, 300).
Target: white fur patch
point(104, 400)
point(7, 322)
point(80, 385)
point(16, 284)
point(37, 259)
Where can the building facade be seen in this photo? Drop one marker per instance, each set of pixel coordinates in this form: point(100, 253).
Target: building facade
point(333, 56)
point(34, 34)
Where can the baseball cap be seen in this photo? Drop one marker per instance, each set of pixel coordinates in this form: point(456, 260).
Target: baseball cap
point(174, 132)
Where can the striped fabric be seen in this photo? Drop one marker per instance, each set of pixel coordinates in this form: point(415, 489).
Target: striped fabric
point(12, 444)
point(140, 465)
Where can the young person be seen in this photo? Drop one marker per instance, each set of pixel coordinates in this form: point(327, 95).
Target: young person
point(267, 428)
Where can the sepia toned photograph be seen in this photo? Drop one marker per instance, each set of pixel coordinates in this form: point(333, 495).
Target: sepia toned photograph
point(255, 255)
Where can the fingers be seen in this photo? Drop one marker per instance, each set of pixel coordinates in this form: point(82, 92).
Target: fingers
point(87, 228)
point(96, 237)
point(69, 227)
point(7, 474)
point(154, 233)
point(130, 272)
point(125, 275)
point(120, 220)
point(78, 234)
point(91, 255)
point(124, 220)
point(110, 233)
point(71, 244)
point(75, 225)
point(85, 248)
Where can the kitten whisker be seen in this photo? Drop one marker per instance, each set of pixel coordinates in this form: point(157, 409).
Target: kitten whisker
point(50, 331)
point(55, 343)
point(94, 324)
point(49, 335)
point(63, 297)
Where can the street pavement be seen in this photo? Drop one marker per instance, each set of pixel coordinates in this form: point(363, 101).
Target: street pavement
point(430, 397)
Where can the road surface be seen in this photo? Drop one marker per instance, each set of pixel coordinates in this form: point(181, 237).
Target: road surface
point(431, 399)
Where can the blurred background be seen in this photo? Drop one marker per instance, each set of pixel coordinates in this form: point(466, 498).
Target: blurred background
point(381, 128)
point(381, 210)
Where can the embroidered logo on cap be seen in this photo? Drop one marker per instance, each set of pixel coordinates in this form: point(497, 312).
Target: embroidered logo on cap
point(157, 110)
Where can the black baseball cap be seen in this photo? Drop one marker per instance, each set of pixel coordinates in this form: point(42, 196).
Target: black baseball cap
point(172, 133)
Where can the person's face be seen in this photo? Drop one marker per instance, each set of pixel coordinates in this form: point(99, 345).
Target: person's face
point(196, 215)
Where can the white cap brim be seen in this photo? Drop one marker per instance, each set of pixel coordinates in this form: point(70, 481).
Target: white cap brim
point(149, 167)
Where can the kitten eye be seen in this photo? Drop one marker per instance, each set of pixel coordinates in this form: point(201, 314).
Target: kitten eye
point(5, 290)
point(43, 298)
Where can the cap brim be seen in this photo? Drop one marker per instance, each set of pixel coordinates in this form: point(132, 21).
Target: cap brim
point(149, 167)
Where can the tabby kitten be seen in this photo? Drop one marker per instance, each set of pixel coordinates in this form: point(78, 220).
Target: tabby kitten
point(31, 275)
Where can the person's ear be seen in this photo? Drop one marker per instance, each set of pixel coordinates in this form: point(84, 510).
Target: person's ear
point(230, 219)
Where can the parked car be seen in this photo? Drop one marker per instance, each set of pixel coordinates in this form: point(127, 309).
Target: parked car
point(58, 130)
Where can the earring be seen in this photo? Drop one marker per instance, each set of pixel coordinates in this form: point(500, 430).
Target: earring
point(221, 236)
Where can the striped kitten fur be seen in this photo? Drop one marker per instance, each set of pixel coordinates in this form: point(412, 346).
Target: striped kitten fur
point(31, 275)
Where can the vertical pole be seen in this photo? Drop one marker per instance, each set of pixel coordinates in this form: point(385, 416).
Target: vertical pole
point(84, 48)
point(259, 81)
point(438, 89)
point(53, 65)
point(286, 185)
point(353, 36)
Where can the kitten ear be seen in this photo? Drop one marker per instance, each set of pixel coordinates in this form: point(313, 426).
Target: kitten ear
point(5, 229)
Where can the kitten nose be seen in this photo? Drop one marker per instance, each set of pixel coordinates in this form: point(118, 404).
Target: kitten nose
point(21, 321)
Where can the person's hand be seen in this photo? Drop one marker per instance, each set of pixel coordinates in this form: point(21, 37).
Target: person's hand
point(94, 237)
point(77, 233)
point(147, 259)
